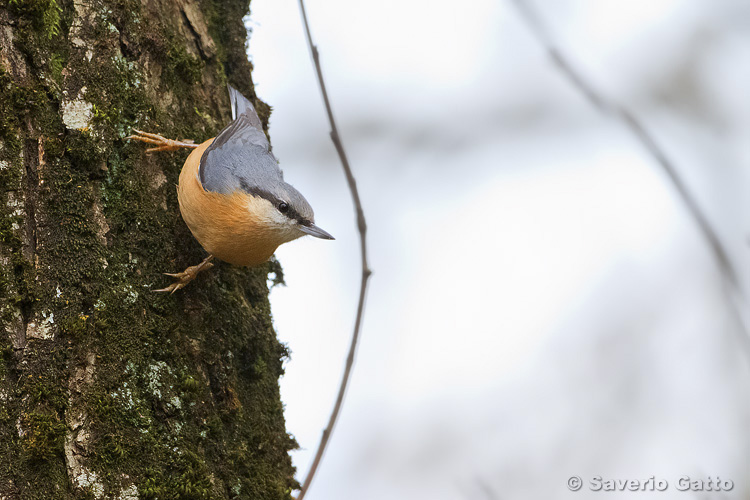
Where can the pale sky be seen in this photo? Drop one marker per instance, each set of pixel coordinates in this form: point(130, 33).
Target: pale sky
point(541, 306)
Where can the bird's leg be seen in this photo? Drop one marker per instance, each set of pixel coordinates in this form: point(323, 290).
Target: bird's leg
point(187, 275)
point(161, 143)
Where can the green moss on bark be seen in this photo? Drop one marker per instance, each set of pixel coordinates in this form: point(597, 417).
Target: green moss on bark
point(176, 395)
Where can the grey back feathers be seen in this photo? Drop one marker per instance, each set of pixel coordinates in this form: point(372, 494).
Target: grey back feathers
point(240, 159)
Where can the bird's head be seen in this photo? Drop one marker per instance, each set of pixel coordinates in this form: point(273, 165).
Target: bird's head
point(283, 211)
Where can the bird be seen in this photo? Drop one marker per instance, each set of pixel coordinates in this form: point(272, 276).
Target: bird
point(233, 196)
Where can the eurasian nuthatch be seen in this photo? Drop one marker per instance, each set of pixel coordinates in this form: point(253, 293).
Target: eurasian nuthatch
point(233, 196)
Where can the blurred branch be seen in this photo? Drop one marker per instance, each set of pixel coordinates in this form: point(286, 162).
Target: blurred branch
point(366, 272)
point(636, 127)
point(486, 489)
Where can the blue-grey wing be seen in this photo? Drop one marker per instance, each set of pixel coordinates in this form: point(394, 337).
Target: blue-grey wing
point(240, 156)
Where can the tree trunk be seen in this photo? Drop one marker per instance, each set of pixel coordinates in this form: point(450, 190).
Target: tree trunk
point(107, 389)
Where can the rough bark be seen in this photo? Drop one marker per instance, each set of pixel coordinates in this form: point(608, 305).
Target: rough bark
point(108, 390)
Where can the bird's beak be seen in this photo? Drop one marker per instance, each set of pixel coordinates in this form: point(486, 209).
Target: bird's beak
point(314, 230)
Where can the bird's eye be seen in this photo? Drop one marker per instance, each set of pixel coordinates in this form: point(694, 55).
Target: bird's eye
point(283, 207)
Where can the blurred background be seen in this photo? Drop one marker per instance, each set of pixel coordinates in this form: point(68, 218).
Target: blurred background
point(542, 304)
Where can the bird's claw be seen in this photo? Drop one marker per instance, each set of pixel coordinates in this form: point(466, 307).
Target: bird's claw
point(187, 275)
point(161, 142)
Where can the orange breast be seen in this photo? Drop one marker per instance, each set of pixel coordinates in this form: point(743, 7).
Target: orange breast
point(223, 224)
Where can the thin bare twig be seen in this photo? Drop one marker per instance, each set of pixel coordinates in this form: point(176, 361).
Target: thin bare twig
point(366, 272)
point(487, 490)
point(636, 127)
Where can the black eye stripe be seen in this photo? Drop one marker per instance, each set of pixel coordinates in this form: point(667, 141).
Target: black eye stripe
point(290, 212)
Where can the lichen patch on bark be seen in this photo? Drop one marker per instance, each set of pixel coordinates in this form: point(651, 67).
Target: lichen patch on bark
point(77, 113)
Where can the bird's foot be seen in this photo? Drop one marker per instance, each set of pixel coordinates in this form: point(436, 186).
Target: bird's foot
point(161, 143)
point(187, 275)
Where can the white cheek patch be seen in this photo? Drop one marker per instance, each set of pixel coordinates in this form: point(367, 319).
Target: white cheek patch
point(266, 214)
point(278, 218)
